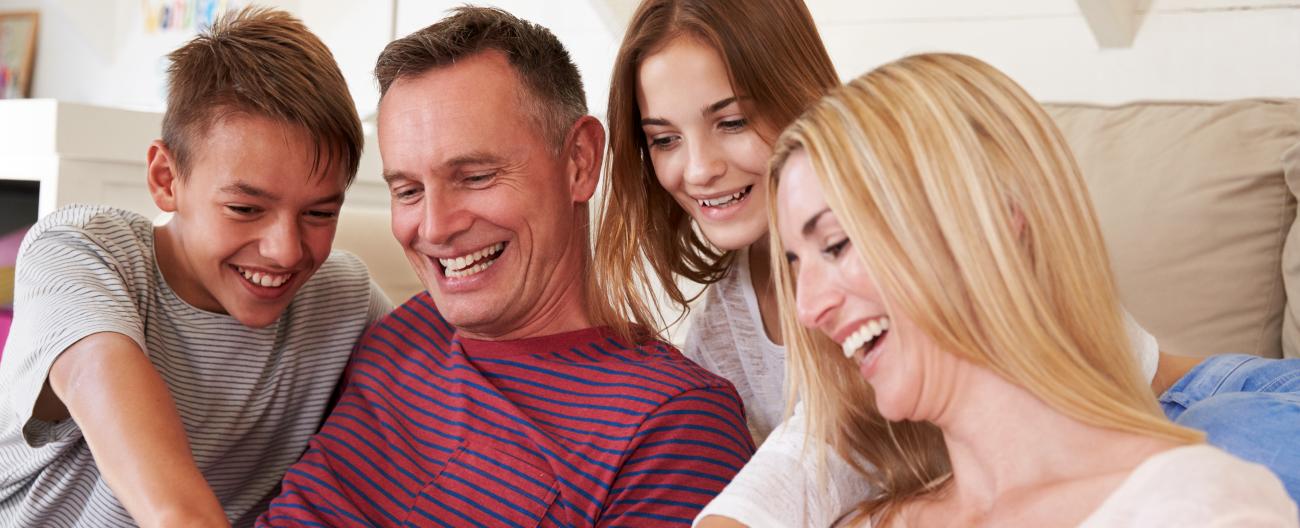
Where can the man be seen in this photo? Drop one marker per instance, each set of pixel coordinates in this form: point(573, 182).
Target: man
point(196, 358)
point(497, 398)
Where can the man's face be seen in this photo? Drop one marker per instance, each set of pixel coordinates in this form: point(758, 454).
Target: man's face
point(252, 221)
point(484, 208)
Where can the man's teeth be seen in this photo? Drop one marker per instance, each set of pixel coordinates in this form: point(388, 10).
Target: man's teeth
point(865, 336)
point(724, 200)
point(265, 280)
point(471, 263)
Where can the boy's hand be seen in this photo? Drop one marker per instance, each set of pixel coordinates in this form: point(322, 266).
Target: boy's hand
point(126, 413)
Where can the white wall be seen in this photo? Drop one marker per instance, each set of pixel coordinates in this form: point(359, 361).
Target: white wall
point(97, 51)
point(1184, 49)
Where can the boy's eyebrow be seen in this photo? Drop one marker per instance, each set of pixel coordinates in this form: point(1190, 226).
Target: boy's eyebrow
point(249, 190)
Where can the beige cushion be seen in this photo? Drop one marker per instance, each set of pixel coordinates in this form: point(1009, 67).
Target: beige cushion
point(365, 232)
point(1291, 263)
point(1195, 209)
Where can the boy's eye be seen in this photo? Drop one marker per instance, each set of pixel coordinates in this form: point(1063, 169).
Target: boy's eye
point(241, 209)
point(325, 215)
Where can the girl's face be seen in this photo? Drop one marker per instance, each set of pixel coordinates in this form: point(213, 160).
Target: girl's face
point(706, 152)
point(837, 296)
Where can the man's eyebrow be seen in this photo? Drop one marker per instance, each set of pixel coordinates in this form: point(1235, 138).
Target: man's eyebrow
point(811, 224)
point(390, 175)
point(472, 158)
point(250, 191)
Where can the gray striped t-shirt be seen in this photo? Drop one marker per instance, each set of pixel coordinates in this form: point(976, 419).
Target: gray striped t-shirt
point(249, 397)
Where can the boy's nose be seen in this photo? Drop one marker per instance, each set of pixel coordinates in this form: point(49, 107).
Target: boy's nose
point(283, 245)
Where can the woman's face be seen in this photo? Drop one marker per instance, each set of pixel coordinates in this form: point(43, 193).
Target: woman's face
point(706, 152)
point(836, 295)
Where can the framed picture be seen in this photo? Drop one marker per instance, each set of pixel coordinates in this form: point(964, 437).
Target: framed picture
point(17, 53)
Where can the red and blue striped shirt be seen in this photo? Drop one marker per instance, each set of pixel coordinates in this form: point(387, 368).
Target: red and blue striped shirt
point(575, 429)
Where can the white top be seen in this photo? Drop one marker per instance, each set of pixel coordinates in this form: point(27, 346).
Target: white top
point(1197, 486)
point(727, 337)
point(778, 487)
point(248, 397)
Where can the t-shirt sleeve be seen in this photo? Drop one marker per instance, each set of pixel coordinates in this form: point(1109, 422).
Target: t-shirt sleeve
point(67, 287)
point(682, 455)
point(779, 486)
point(380, 304)
point(1145, 348)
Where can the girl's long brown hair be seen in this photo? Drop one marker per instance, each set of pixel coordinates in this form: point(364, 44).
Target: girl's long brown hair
point(645, 242)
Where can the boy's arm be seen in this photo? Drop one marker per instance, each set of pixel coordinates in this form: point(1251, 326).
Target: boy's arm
point(683, 455)
point(126, 414)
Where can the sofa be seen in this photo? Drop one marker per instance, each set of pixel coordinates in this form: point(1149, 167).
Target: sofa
point(1197, 202)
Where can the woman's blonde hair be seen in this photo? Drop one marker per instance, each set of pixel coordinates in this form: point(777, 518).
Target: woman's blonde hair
point(965, 203)
point(777, 66)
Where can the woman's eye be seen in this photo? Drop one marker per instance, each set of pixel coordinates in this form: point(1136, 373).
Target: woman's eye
point(732, 125)
point(834, 250)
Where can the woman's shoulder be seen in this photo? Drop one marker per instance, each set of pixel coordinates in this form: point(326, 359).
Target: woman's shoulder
point(1197, 485)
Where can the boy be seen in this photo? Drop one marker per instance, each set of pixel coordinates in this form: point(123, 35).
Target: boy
point(193, 359)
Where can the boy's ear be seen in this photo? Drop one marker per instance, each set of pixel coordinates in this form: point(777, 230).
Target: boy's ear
point(163, 175)
point(584, 151)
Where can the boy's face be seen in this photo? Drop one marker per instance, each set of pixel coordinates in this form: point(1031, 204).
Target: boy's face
point(252, 221)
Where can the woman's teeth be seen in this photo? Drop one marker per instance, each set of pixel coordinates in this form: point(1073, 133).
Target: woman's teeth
point(725, 200)
point(473, 263)
point(865, 336)
point(265, 280)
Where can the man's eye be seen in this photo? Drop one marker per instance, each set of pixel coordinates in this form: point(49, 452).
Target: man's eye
point(241, 209)
point(475, 179)
point(405, 193)
point(322, 214)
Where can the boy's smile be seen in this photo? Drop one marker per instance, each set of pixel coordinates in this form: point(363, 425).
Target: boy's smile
point(252, 221)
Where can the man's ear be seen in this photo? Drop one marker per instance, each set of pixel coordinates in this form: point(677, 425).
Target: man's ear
point(584, 150)
point(163, 175)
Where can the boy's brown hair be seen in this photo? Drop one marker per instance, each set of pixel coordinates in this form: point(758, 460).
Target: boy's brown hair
point(556, 97)
point(265, 63)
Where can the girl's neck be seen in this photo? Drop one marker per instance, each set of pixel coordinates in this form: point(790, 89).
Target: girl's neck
point(760, 278)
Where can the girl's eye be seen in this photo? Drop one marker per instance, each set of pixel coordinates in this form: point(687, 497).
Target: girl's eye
point(732, 125)
point(836, 249)
point(663, 142)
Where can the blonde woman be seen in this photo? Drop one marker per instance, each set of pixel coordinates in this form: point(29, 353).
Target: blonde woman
point(936, 241)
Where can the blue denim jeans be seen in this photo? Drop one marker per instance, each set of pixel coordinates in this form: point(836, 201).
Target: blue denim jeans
point(1248, 406)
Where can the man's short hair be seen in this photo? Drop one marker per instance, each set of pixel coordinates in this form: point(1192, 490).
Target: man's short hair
point(544, 66)
point(265, 63)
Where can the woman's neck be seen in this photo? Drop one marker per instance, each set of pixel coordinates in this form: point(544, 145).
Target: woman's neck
point(1007, 446)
